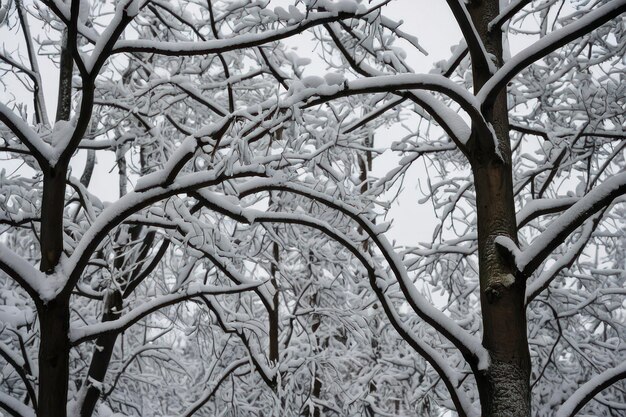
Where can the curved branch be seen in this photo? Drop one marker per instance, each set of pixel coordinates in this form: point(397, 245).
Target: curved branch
point(206, 396)
point(478, 53)
point(438, 363)
point(19, 365)
point(237, 42)
point(39, 149)
point(468, 344)
point(15, 407)
point(565, 261)
point(588, 390)
point(547, 44)
point(132, 202)
point(25, 274)
point(507, 13)
point(597, 199)
point(90, 332)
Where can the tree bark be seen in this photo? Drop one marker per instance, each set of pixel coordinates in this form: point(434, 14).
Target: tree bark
point(504, 387)
point(52, 206)
point(102, 353)
point(54, 350)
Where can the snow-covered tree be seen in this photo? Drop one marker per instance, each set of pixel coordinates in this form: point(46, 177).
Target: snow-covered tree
point(244, 266)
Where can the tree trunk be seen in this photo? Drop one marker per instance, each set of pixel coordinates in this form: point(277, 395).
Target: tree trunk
point(54, 350)
point(274, 319)
point(504, 387)
point(52, 206)
point(102, 353)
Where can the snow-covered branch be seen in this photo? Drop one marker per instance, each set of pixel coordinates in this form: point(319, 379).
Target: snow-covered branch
point(42, 151)
point(25, 274)
point(590, 389)
point(547, 44)
point(15, 407)
point(478, 53)
point(528, 260)
point(92, 331)
point(128, 205)
point(468, 344)
point(209, 392)
point(248, 40)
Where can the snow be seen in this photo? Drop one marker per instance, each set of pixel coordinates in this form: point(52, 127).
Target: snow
point(246, 40)
point(338, 6)
point(585, 207)
point(80, 334)
point(545, 45)
point(544, 205)
point(46, 287)
point(20, 408)
point(159, 178)
point(588, 388)
point(334, 78)
point(313, 81)
point(16, 316)
point(27, 135)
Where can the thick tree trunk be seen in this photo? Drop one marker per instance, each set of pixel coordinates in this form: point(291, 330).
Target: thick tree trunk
point(54, 350)
point(52, 206)
point(504, 387)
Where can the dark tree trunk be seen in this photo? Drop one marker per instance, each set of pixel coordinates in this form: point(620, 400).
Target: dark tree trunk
point(504, 386)
point(54, 350)
point(52, 206)
point(274, 319)
point(102, 353)
point(54, 316)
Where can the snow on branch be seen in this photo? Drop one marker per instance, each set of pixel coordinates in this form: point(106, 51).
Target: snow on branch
point(468, 344)
point(39, 286)
point(125, 12)
point(42, 151)
point(390, 83)
point(128, 205)
point(21, 368)
point(547, 44)
point(541, 207)
point(588, 390)
point(15, 407)
point(449, 376)
point(208, 393)
point(507, 13)
point(92, 331)
point(545, 278)
point(528, 260)
point(247, 40)
point(480, 57)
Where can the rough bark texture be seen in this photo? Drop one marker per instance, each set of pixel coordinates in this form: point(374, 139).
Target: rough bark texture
point(504, 386)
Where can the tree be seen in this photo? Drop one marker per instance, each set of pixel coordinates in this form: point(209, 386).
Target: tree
point(242, 167)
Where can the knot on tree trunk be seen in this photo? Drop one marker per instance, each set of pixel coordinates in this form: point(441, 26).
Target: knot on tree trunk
point(498, 285)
